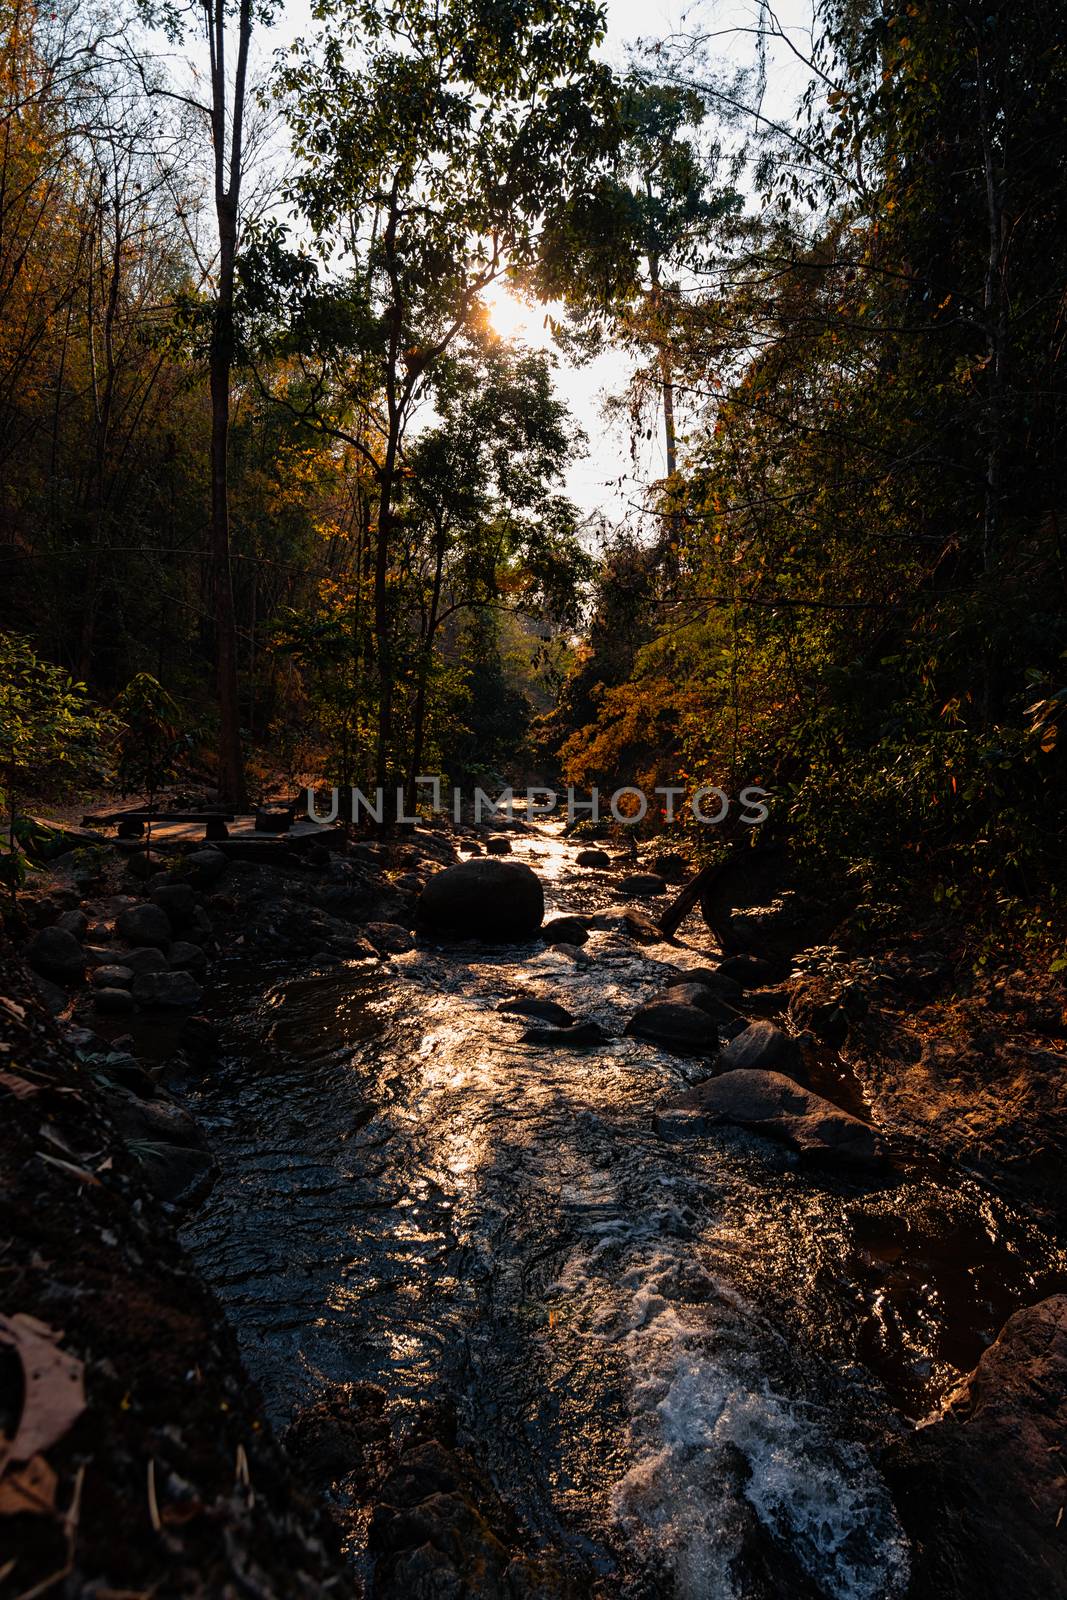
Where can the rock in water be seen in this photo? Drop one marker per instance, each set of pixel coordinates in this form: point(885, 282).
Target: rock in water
point(389, 938)
point(771, 1104)
point(642, 886)
point(169, 991)
point(579, 1037)
point(565, 930)
point(981, 1490)
point(499, 901)
point(705, 998)
point(592, 858)
point(677, 1026)
point(761, 1046)
point(531, 1005)
point(498, 845)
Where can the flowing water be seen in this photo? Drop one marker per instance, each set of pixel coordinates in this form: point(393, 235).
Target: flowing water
point(676, 1360)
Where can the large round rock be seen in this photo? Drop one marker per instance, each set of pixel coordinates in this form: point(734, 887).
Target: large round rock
point(497, 900)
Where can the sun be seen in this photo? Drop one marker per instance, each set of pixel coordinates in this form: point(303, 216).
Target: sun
point(511, 318)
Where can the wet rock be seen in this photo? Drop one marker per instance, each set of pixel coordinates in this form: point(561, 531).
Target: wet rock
point(144, 925)
point(581, 1036)
point(178, 900)
point(55, 953)
point(497, 901)
point(411, 882)
point(112, 1001)
point(761, 1045)
point(981, 1490)
point(439, 1532)
point(147, 959)
point(683, 1028)
point(100, 933)
point(113, 976)
point(550, 1011)
point(592, 858)
point(722, 986)
point(702, 995)
point(498, 845)
point(771, 1104)
point(571, 953)
point(186, 957)
point(343, 1434)
point(153, 1120)
point(637, 925)
point(565, 930)
point(167, 991)
point(389, 938)
point(642, 886)
point(75, 922)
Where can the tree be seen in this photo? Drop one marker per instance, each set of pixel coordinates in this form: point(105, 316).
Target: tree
point(225, 116)
point(51, 736)
point(616, 254)
point(485, 505)
point(435, 140)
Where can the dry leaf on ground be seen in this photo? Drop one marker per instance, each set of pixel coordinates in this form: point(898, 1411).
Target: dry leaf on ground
point(53, 1387)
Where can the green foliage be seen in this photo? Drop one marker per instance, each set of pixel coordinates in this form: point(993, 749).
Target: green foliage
point(867, 612)
point(52, 737)
point(150, 743)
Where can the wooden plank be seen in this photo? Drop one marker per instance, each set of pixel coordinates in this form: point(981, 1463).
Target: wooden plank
point(141, 815)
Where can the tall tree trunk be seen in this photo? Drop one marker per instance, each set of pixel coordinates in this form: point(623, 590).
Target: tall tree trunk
point(670, 437)
point(231, 767)
point(995, 309)
point(418, 732)
point(386, 487)
point(228, 165)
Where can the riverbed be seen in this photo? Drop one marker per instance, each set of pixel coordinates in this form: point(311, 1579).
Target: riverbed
point(677, 1361)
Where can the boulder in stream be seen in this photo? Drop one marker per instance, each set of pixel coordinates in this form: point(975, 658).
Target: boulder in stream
point(981, 1490)
point(389, 938)
point(565, 930)
point(701, 995)
point(501, 902)
point(675, 1025)
point(642, 886)
point(531, 1005)
point(761, 1046)
point(592, 858)
point(167, 991)
point(582, 1036)
point(772, 1104)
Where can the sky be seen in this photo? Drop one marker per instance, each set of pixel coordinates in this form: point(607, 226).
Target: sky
point(609, 479)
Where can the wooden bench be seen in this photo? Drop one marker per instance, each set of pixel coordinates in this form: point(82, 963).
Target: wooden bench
point(131, 824)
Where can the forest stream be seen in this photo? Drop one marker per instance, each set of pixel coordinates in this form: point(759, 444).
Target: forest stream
point(676, 1360)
